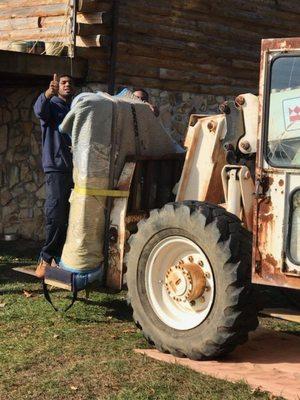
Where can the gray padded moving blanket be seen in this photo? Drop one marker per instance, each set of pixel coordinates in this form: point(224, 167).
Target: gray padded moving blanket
point(90, 123)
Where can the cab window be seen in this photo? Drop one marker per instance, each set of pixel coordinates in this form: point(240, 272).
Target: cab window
point(283, 127)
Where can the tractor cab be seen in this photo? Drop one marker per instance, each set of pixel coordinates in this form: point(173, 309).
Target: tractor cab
point(276, 256)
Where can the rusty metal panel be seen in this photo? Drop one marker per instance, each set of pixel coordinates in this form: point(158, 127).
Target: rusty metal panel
point(273, 187)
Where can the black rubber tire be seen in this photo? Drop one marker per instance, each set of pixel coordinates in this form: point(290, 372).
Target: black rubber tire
point(228, 247)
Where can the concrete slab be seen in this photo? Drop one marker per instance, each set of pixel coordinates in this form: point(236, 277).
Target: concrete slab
point(269, 360)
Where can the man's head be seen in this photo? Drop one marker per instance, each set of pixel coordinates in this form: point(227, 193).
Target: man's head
point(141, 94)
point(66, 87)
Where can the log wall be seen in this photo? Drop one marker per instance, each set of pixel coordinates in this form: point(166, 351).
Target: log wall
point(194, 46)
point(30, 21)
point(197, 46)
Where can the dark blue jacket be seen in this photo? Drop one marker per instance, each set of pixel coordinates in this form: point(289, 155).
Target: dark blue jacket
point(56, 146)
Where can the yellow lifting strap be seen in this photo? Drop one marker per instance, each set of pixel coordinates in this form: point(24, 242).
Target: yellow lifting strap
point(101, 192)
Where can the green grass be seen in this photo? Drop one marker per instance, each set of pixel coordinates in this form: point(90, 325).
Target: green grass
point(86, 353)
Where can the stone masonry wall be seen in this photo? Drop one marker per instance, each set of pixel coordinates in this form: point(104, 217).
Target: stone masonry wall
point(21, 177)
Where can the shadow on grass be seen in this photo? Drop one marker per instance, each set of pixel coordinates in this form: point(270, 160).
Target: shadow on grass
point(116, 308)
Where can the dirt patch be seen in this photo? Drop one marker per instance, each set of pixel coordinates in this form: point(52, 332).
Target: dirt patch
point(269, 361)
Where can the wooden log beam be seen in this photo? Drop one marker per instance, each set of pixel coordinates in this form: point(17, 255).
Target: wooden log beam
point(53, 33)
point(235, 72)
point(196, 23)
point(100, 64)
point(24, 3)
point(93, 41)
point(31, 23)
point(24, 64)
point(217, 90)
point(196, 57)
point(93, 5)
point(211, 12)
point(193, 77)
point(192, 36)
point(90, 30)
point(95, 75)
point(94, 18)
point(18, 23)
point(239, 10)
point(208, 48)
point(34, 11)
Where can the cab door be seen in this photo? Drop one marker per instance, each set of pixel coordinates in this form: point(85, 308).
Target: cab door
point(276, 246)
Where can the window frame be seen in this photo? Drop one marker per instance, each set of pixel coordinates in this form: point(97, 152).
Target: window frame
point(267, 109)
point(289, 233)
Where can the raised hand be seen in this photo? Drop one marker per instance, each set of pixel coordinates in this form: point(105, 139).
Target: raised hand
point(53, 87)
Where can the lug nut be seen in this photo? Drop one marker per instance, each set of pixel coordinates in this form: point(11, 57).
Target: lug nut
point(202, 299)
point(200, 263)
point(192, 302)
point(191, 259)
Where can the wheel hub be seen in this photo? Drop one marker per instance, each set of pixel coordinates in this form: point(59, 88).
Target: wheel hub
point(185, 281)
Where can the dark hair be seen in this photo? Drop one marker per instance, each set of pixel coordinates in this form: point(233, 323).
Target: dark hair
point(59, 76)
point(146, 95)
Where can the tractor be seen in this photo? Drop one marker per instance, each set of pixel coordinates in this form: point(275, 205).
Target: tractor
point(190, 259)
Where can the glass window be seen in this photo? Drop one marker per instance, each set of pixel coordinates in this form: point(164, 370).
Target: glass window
point(295, 228)
point(283, 144)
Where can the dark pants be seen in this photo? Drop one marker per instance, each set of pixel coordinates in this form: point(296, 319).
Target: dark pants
point(58, 190)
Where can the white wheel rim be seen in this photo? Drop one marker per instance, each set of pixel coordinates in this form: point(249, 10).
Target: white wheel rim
point(166, 253)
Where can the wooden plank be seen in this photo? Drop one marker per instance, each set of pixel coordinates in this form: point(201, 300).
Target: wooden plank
point(282, 313)
point(38, 65)
point(94, 18)
point(26, 270)
point(93, 41)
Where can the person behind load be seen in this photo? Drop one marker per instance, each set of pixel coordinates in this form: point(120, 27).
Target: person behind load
point(144, 96)
point(51, 107)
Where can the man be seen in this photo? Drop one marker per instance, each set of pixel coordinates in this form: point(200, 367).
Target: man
point(144, 96)
point(51, 107)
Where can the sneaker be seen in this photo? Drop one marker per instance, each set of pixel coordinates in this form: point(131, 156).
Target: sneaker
point(41, 268)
